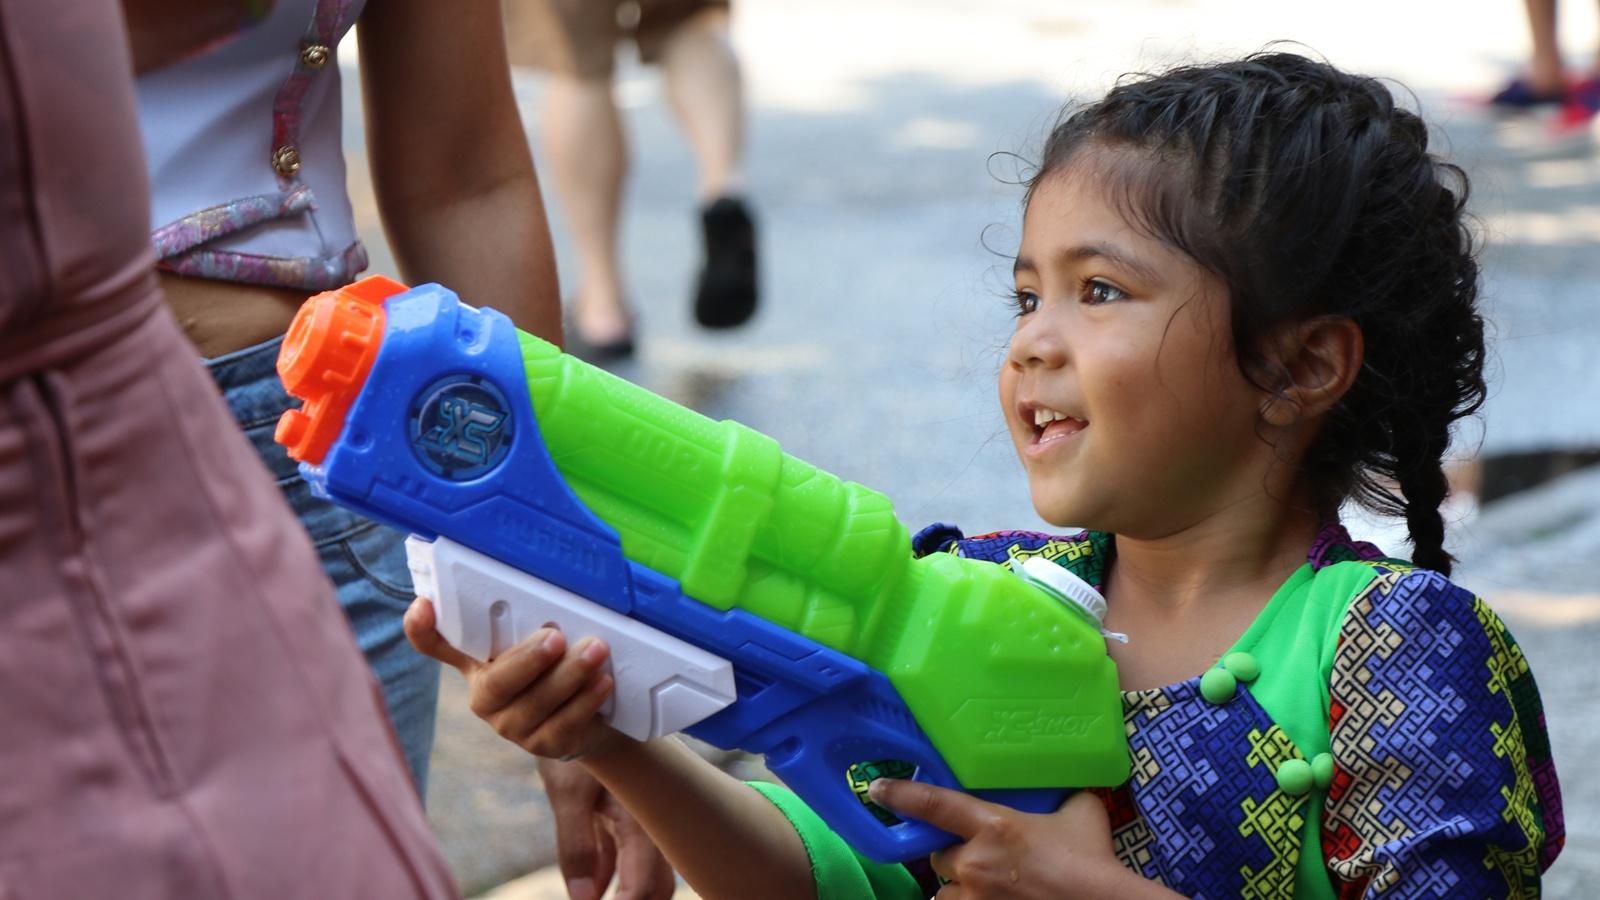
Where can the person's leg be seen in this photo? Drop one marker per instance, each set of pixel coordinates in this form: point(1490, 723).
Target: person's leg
point(1545, 81)
point(1595, 64)
point(689, 39)
point(1545, 75)
point(1583, 96)
point(586, 151)
point(573, 42)
point(706, 91)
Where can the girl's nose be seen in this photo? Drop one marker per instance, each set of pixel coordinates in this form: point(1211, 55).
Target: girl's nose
point(1037, 342)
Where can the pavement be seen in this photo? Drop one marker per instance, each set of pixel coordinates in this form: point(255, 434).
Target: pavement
point(881, 160)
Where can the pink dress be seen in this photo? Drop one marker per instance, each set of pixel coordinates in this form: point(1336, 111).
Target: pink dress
point(183, 712)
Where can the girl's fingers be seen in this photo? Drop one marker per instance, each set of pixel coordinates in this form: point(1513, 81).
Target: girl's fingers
point(943, 862)
point(566, 731)
point(540, 700)
point(960, 814)
point(421, 628)
point(506, 678)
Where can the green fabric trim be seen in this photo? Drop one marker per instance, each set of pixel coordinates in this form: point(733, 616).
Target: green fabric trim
point(1294, 638)
point(840, 873)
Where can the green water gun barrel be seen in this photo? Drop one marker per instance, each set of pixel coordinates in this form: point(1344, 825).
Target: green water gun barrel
point(1012, 686)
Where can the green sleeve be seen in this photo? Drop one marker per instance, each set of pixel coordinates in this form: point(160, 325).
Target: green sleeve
point(840, 873)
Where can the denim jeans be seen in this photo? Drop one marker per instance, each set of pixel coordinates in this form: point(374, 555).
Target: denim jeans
point(365, 560)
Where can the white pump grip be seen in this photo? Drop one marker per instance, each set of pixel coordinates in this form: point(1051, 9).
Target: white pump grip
point(484, 607)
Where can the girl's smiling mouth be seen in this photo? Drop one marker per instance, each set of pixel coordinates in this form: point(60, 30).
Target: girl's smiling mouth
point(1049, 425)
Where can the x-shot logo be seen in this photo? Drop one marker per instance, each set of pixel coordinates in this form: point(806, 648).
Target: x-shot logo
point(461, 427)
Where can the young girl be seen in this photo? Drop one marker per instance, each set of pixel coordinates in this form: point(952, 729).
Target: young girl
point(1244, 294)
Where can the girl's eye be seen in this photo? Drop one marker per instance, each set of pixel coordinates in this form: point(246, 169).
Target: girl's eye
point(1024, 302)
point(1096, 292)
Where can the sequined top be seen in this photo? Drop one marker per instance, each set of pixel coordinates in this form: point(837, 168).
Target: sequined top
point(1376, 732)
point(245, 155)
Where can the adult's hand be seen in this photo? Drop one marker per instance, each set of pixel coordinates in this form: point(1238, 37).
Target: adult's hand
point(597, 839)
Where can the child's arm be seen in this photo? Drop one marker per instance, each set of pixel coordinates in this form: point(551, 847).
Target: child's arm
point(1442, 776)
point(725, 837)
point(720, 834)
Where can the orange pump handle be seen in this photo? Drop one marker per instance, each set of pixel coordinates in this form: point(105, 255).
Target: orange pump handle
point(325, 359)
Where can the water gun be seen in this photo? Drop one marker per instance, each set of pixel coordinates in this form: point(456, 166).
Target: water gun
point(749, 598)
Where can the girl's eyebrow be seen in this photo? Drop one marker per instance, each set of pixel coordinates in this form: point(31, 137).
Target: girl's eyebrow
point(1082, 252)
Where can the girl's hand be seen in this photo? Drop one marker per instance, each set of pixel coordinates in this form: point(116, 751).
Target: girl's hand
point(541, 695)
point(1015, 855)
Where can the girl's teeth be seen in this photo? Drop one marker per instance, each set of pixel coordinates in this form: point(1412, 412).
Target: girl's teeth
point(1061, 428)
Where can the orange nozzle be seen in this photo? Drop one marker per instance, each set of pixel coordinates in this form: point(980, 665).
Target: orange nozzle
point(325, 359)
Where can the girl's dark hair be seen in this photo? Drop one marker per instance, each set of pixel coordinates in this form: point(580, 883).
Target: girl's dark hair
point(1310, 193)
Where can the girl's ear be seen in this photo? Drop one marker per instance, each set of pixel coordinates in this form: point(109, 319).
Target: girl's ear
point(1317, 361)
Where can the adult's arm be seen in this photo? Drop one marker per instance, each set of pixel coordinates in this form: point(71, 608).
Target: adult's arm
point(455, 181)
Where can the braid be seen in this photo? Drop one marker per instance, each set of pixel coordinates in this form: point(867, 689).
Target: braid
point(1423, 485)
point(1443, 379)
point(1310, 193)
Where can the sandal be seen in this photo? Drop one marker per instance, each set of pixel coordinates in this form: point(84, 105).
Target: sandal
point(598, 353)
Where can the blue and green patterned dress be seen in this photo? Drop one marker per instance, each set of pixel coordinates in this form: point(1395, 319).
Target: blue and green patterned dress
point(1376, 732)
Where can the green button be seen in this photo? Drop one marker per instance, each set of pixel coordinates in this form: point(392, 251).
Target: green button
point(1322, 769)
point(1218, 686)
point(1295, 777)
point(1242, 665)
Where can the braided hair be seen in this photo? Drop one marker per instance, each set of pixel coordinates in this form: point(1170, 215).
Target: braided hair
point(1310, 193)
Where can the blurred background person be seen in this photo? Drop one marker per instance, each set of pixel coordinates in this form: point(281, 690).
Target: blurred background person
point(575, 42)
point(185, 712)
point(1546, 81)
point(251, 215)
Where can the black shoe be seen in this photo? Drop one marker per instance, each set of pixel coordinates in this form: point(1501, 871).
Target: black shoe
point(726, 295)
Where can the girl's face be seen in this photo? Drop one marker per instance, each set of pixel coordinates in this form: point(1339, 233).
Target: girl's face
point(1121, 389)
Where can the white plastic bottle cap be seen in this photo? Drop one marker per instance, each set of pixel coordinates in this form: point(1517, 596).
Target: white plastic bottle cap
point(1066, 586)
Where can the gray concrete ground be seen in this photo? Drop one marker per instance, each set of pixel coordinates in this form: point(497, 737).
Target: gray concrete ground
point(884, 226)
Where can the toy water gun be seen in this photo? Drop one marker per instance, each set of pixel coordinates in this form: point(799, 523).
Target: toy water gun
point(749, 598)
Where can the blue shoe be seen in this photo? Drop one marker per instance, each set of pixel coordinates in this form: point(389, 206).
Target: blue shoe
point(1519, 95)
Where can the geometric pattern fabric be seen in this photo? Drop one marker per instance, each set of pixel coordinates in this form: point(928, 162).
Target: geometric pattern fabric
point(1442, 782)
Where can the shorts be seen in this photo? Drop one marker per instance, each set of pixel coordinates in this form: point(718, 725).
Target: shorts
point(580, 37)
